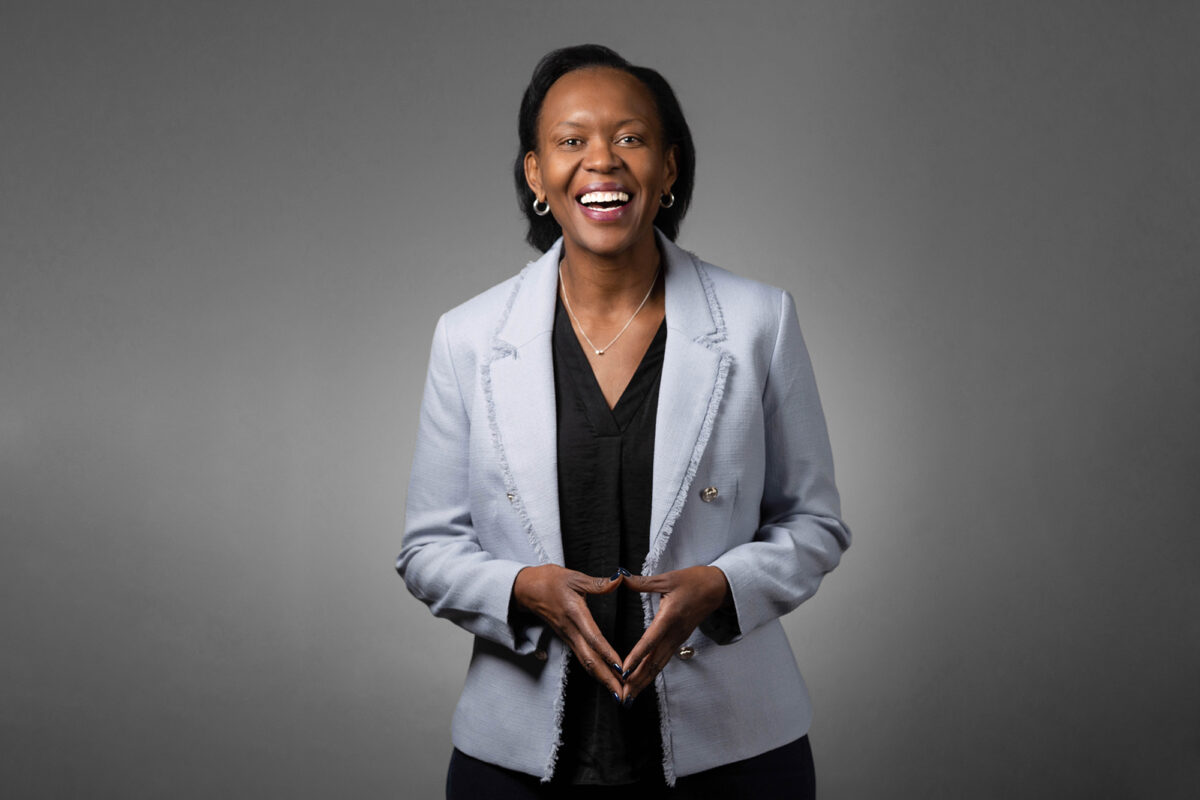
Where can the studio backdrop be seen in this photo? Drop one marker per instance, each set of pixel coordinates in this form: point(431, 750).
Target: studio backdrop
point(228, 229)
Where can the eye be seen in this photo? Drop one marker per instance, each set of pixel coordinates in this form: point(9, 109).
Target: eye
point(571, 141)
point(630, 138)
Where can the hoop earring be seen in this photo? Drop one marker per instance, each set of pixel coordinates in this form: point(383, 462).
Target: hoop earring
point(667, 200)
point(544, 208)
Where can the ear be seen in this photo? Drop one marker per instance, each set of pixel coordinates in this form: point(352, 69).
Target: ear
point(671, 171)
point(533, 175)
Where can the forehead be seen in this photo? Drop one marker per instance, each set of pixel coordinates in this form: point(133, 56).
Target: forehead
point(597, 94)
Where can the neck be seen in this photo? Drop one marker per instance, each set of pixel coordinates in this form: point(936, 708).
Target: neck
point(606, 285)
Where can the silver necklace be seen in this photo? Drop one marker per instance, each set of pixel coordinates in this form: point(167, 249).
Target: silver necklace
point(600, 350)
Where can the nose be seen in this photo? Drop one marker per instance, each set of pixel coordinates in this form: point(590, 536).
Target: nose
point(600, 156)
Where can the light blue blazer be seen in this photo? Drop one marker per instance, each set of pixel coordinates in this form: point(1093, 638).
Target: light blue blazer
point(738, 410)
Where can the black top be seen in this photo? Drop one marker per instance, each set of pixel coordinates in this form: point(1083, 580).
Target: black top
point(605, 477)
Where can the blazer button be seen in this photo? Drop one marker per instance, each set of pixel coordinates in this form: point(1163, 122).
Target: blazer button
point(540, 654)
point(708, 494)
point(686, 653)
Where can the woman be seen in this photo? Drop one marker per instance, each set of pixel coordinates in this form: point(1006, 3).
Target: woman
point(621, 407)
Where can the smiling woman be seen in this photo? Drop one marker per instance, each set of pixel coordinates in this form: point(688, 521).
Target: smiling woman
point(602, 165)
point(638, 411)
point(604, 168)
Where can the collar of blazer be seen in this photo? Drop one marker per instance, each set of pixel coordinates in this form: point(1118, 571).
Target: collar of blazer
point(518, 383)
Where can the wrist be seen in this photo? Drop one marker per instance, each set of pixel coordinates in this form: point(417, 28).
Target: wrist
point(520, 584)
point(717, 588)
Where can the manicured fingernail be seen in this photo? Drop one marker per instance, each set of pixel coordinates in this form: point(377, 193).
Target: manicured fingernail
point(617, 697)
point(628, 702)
point(616, 576)
point(617, 669)
point(625, 572)
point(626, 673)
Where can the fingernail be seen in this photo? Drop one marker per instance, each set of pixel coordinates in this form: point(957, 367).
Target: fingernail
point(617, 575)
point(617, 669)
point(617, 697)
point(625, 572)
point(626, 673)
point(628, 703)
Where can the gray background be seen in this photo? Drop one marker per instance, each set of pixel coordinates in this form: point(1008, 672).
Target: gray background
point(227, 230)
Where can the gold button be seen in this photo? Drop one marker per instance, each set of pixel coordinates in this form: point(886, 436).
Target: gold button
point(686, 653)
point(708, 494)
point(511, 496)
point(540, 654)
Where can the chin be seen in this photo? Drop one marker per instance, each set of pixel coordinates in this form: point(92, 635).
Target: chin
point(607, 240)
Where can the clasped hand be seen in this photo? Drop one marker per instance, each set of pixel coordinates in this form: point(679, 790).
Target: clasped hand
point(559, 596)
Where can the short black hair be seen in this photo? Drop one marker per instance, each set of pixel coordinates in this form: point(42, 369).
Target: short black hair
point(544, 231)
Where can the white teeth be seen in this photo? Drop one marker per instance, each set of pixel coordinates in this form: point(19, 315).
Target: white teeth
point(604, 197)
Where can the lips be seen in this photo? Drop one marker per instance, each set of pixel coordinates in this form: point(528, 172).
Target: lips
point(604, 201)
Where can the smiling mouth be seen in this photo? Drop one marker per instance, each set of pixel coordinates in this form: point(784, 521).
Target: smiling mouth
point(604, 201)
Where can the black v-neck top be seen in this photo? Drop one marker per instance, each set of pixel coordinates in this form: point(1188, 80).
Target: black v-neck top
point(605, 475)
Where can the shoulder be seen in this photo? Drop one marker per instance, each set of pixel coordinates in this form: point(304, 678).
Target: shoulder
point(741, 292)
point(474, 321)
point(465, 336)
point(744, 304)
point(727, 291)
point(750, 319)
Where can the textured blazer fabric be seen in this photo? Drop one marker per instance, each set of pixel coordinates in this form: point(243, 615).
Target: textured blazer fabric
point(738, 411)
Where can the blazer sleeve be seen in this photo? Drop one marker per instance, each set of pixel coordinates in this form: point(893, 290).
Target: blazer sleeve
point(801, 535)
point(441, 560)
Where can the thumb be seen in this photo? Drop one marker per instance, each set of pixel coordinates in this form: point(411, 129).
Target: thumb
point(593, 584)
point(645, 583)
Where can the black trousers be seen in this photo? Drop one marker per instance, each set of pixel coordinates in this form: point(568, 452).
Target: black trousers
point(785, 773)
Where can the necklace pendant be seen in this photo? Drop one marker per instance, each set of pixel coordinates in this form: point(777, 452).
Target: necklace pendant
point(567, 302)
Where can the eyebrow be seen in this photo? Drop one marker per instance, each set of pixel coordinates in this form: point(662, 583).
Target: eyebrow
point(622, 123)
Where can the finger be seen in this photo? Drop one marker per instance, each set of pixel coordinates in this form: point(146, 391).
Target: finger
point(652, 653)
point(647, 670)
point(650, 638)
point(654, 662)
point(585, 628)
point(647, 658)
point(597, 665)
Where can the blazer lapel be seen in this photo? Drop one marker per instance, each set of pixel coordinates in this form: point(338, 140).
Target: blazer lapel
point(518, 382)
point(693, 380)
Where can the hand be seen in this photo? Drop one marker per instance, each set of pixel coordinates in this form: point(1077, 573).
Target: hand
point(688, 597)
point(558, 595)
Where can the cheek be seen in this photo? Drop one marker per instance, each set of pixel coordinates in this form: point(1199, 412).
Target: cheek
point(656, 173)
point(557, 178)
